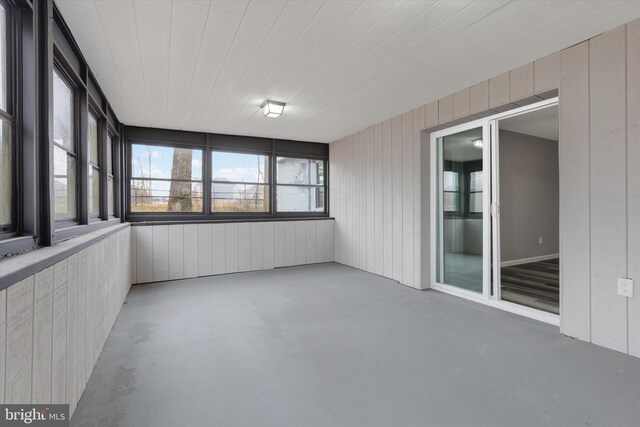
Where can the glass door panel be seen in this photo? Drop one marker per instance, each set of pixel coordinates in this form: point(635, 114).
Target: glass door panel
point(459, 210)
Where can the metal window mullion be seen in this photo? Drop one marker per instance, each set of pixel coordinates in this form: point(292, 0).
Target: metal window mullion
point(207, 176)
point(82, 144)
point(43, 34)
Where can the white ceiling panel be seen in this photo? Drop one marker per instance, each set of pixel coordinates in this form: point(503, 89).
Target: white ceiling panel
point(340, 66)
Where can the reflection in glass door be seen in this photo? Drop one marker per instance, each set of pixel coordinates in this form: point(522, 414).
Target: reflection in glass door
point(460, 225)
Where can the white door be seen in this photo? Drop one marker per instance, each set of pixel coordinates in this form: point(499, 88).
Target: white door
point(461, 220)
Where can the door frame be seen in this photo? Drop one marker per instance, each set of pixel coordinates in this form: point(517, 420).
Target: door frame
point(491, 214)
point(436, 192)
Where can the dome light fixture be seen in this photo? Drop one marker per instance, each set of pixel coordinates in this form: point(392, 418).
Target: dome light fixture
point(478, 143)
point(272, 108)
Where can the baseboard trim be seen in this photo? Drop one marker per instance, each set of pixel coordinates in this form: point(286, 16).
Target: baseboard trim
point(528, 260)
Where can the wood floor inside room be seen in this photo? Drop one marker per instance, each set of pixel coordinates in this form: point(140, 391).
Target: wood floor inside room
point(535, 285)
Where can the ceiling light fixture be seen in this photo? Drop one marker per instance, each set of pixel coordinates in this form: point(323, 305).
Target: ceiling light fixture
point(272, 108)
point(477, 143)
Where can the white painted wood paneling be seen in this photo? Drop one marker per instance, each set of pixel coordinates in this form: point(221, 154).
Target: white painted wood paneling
point(57, 319)
point(176, 251)
point(301, 243)
point(478, 98)
point(407, 198)
point(418, 125)
point(82, 308)
point(370, 192)
point(268, 261)
point(279, 246)
point(160, 251)
point(257, 248)
point(59, 346)
point(191, 246)
point(205, 250)
point(521, 83)
point(547, 73)
point(290, 243)
point(356, 194)
point(349, 185)
point(633, 180)
point(431, 114)
point(461, 103)
point(397, 206)
point(219, 251)
point(341, 66)
point(598, 142)
point(71, 385)
point(19, 341)
point(387, 198)
point(321, 241)
point(608, 185)
point(244, 246)
point(445, 109)
point(311, 252)
point(42, 335)
point(330, 240)
point(144, 254)
point(378, 178)
point(232, 248)
point(499, 90)
point(134, 261)
point(3, 342)
point(574, 194)
point(362, 200)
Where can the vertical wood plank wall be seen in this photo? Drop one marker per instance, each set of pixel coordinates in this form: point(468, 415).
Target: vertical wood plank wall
point(197, 250)
point(598, 82)
point(53, 324)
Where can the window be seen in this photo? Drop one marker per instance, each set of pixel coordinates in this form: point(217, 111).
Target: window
point(7, 164)
point(240, 182)
point(111, 184)
point(94, 166)
point(166, 179)
point(300, 185)
point(64, 150)
point(475, 192)
point(451, 191)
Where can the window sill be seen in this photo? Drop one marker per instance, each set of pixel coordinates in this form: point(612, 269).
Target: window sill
point(19, 267)
point(142, 223)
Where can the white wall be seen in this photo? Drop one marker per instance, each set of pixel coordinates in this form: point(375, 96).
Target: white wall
point(53, 324)
point(529, 197)
point(375, 198)
point(179, 251)
point(377, 193)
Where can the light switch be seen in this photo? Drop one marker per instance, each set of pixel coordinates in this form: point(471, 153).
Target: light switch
point(625, 287)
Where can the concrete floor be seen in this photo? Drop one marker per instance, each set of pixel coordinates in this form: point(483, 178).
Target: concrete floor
point(328, 345)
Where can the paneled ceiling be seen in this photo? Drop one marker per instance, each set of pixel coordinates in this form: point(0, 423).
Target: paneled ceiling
point(339, 65)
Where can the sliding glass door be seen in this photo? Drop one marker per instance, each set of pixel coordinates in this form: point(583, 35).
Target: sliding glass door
point(492, 242)
point(461, 206)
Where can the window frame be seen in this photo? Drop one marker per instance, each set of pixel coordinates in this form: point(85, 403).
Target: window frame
point(39, 42)
point(59, 66)
point(130, 178)
point(268, 184)
point(208, 142)
point(11, 229)
point(317, 187)
point(471, 193)
point(96, 166)
point(458, 212)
